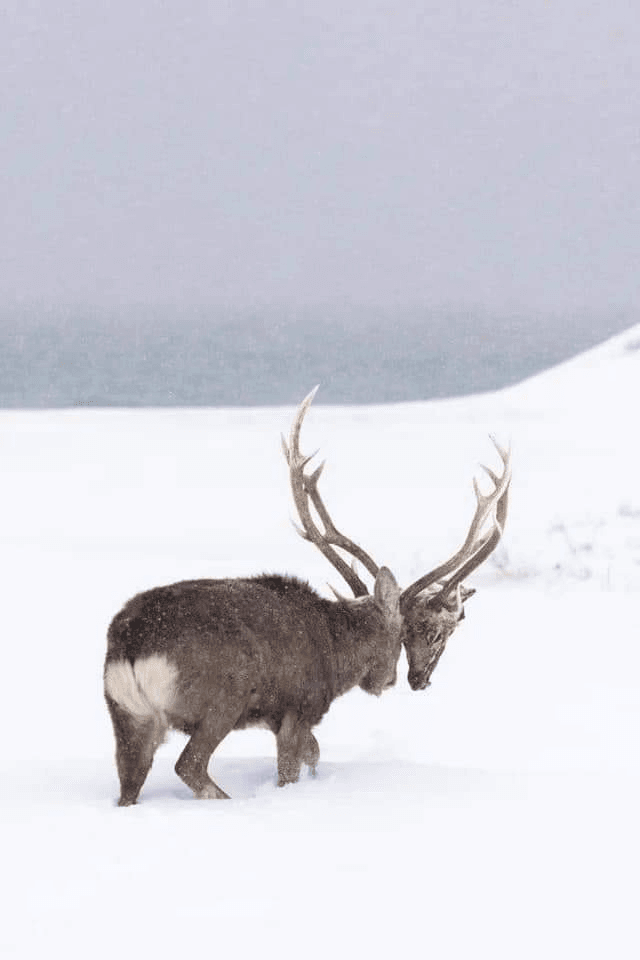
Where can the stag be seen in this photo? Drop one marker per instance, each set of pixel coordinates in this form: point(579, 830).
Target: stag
point(209, 656)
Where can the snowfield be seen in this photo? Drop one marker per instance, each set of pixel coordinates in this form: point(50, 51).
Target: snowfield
point(494, 815)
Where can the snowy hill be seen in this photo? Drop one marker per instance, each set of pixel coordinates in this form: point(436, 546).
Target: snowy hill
point(582, 466)
point(493, 815)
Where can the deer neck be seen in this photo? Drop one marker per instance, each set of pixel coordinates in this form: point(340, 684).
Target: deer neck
point(353, 644)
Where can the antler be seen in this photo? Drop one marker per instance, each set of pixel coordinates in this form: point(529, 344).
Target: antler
point(305, 489)
point(475, 548)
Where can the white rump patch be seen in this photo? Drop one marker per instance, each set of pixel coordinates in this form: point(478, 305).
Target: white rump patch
point(146, 689)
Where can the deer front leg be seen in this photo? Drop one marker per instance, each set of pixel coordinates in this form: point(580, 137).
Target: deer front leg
point(309, 751)
point(296, 745)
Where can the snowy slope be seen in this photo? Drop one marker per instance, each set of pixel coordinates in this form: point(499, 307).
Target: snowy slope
point(493, 815)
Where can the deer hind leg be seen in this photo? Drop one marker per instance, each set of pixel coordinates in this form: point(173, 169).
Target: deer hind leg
point(296, 745)
point(193, 761)
point(137, 739)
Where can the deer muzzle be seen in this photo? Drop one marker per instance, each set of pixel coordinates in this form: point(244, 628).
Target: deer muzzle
point(419, 679)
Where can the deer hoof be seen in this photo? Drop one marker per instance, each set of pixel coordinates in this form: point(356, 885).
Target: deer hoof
point(211, 792)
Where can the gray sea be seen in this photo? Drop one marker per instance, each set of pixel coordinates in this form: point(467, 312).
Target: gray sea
point(160, 357)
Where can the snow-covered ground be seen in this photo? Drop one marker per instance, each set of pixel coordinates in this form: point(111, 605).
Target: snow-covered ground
point(494, 815)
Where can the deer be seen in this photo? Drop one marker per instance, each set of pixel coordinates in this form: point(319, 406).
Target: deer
point(206, 657)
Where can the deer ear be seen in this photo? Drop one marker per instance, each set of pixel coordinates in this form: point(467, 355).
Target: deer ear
point(386, 591)
point(467, 592)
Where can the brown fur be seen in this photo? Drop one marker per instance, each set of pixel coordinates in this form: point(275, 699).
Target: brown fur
point(264, 650)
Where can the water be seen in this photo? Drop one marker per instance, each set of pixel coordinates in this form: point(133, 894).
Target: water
point(148, 357)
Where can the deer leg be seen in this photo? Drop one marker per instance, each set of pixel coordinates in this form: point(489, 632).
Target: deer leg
point(289, 760)
point(193, 761)
point(296, 745)
point(310, 751)
point(137, 740)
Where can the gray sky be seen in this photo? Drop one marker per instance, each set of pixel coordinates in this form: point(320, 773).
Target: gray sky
point(484, 153)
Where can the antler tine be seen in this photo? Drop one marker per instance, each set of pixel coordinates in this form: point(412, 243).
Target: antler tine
point(305, 489)
point(485, 548)
point(474, 546)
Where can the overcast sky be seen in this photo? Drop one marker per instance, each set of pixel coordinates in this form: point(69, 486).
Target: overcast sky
point(484, 153)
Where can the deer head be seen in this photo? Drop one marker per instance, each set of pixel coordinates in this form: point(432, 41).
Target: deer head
point(433, 606)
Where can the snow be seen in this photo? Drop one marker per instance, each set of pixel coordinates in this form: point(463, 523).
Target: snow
point(493, 815)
